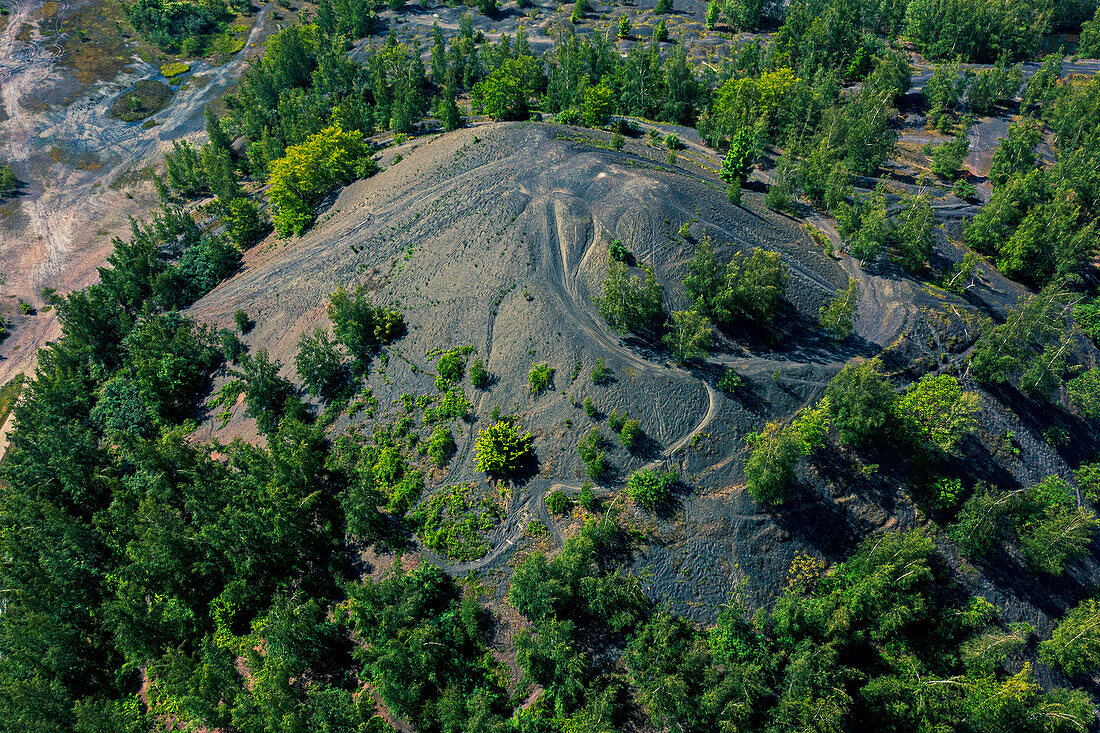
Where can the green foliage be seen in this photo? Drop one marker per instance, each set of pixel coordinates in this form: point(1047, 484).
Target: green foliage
point(558, 502)
point(1084, 392)
point(1074, 647)
point(242, 321)
point(1028, 347)
point(937, 410)
point(1045, 520)
point(947, 158)
point(600, 372)
point(1087, 315)
point(1016, 153)
point(630, 433)
point(441, 446)
point(178, 26)
point(1088, 45)
point(423, 647)
point(619, 253)
point(860, 403)
point(320, 366)
point(976, 30)
point(588, 447)
point(479, 375)
point(689, 335)
point(501, 451)
point(307, 172)
point(507, 93)
point(730, 381)
point(770, 465)
point(624, 26)
point(597, 105)
point(540, 378)
point(455, 520)
point(651, 490)
point(452, 364)
point(7, 179)
point(988, 88)
point(265, 392)
point(361, 327)
point(713, 14)
point(749, 287)
point(839, 314)
point(739, 158)
point(630, 304)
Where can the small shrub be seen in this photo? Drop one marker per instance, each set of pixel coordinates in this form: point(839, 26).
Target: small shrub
point(538, 380)
point(616, 420)
point(589, 408)
point(441, 446)
point(630, 434)
point(600, 372)
point(663, 6)
point(619, 252)
point(965, 190)
point(649, 489)
point(452, 365)
point(587, 498)
point(617, 141)
point(558, 502)
point(588, 448)
point(479, 375)
point(243, 322)
point(730, 382)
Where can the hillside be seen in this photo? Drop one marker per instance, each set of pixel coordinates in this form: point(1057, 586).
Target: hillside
point(519, 367)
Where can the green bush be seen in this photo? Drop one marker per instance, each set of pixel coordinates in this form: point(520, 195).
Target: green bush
point(730, 381)
point(1084, 393)
point(558, 502)
point(308, 171)
point(650, 490)
point(600, 372)
point(839, 314)
point(1074, 647)
point(770, 466)
point(539, 379)
point(452, 365)
point(588, 447)
point(441, 446)
point(861, 402)
point(619, 252)
point(501, 451)
point(630, 434)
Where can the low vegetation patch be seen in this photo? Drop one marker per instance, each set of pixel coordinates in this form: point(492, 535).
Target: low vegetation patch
point(144, 100)
point(173, 69)
point(454, 521)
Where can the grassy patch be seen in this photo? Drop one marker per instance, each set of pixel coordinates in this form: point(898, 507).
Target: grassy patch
point(454, 521)
point(144, 100)
point(174, 68)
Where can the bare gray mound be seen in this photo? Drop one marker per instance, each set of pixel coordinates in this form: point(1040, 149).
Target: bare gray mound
point(497, 237)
